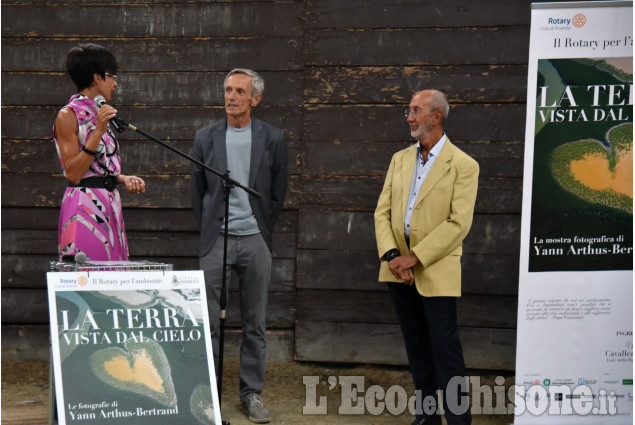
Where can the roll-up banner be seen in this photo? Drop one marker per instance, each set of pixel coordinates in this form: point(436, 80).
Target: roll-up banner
point(574, 359)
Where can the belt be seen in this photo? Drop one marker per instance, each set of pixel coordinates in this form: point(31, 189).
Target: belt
point(109, 183)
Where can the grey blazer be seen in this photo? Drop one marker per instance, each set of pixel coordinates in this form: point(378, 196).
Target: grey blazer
point(267, 175)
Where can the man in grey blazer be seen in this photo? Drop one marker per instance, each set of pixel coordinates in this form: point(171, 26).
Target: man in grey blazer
point(255, 153)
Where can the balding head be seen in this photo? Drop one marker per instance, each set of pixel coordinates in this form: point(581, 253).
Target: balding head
point(427, 110)
point(435, 100)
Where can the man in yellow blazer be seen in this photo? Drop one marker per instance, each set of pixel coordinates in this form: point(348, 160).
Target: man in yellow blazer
point(423, 214)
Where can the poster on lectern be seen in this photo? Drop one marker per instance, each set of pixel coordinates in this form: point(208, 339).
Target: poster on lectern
point(132, 347)
point(574, 358)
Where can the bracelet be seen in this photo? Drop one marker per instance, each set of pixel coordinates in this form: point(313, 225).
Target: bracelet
point(88, 151)
point(392, 254)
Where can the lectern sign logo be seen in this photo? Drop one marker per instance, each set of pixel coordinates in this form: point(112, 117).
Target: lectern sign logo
point(82, 281)
point(579, 20)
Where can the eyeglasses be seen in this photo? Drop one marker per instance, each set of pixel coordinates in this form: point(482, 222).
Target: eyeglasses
point(113, 76)
point(416, 112)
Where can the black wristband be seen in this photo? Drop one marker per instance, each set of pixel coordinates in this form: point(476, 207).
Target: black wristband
point(392, 254)
point(88, 151)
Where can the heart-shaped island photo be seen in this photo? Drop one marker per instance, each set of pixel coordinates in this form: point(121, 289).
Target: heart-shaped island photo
point(582, 183)
point(596, 173)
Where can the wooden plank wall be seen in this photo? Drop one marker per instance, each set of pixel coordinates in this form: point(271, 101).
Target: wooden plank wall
point(338, 77)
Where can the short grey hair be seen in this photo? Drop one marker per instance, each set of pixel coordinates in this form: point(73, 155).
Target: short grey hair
point(257, 83)
point(439, 101)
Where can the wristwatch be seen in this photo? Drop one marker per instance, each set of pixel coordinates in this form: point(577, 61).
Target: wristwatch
point(391, 255)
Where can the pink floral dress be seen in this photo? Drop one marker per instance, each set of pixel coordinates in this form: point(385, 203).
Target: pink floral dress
point(90, 218)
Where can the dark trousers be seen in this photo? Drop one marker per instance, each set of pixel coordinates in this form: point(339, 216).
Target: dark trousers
point(433, 347)
point(250, 257)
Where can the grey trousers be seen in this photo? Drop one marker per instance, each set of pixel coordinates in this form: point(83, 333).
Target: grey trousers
point(250, 258)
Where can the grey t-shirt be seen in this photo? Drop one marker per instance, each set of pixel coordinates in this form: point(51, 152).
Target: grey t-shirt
point(241, 218)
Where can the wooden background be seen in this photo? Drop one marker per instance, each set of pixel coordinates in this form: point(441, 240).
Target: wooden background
point(338, 76)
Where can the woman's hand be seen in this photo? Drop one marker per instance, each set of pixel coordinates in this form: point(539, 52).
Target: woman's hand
point(104, 115)
point(133, 184)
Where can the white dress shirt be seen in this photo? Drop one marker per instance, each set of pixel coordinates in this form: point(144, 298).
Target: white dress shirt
point(421, 172)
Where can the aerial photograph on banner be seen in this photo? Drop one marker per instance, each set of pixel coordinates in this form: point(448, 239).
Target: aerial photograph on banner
point(134, 354)
point(582, 194)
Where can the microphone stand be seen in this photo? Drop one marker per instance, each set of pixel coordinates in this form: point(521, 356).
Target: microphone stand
point(224, 176)
point(228, 184)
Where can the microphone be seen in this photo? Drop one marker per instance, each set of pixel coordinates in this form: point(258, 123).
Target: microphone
point(79, 258)
point(116, 122)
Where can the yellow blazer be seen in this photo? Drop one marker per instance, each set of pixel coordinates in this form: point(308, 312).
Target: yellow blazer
point(441, 218)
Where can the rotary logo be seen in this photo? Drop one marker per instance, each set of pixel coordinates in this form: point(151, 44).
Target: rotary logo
point(82, 281)
point(579, 20)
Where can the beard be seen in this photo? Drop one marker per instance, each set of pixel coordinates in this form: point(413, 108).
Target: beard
point(423, 130)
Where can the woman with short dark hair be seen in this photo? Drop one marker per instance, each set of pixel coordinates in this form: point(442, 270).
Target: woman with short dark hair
point(91, 221)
